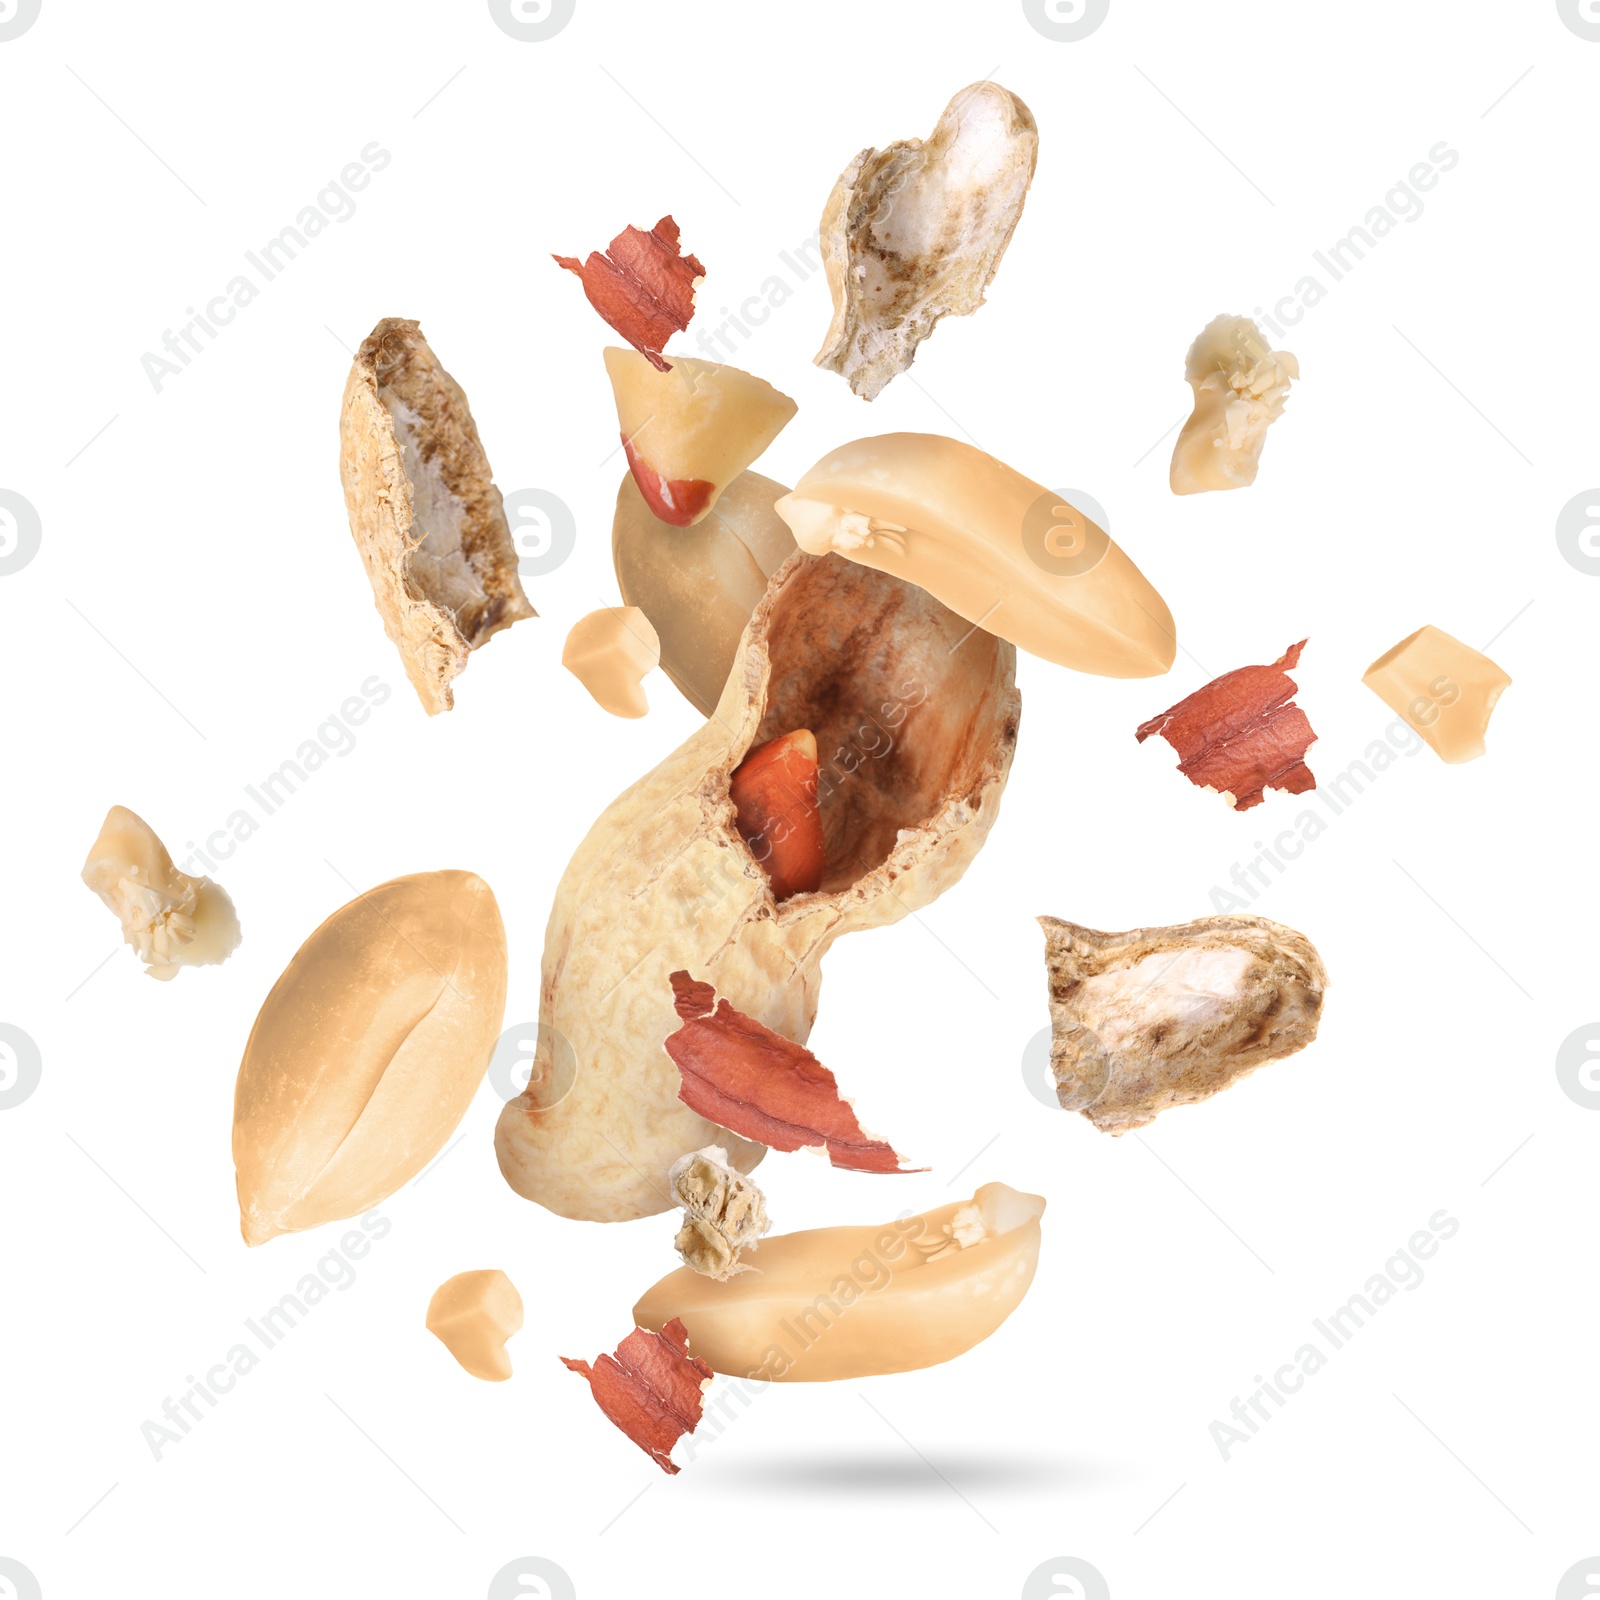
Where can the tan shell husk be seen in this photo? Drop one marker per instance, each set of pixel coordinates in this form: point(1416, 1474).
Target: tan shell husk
point(663, 881)
point(1122, 1066)
point(887, 299)
point(433, 631)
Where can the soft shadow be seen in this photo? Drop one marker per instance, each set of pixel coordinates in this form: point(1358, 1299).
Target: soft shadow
point(898, 1471)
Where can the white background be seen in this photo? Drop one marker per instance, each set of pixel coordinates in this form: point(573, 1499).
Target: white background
point(197, 611)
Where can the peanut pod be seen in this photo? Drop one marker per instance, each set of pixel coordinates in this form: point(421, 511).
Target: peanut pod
point(915, 715)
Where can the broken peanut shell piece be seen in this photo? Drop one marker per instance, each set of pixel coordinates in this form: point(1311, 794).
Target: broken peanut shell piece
point(986, 541)
point(1163, 1017)
point(690, 431)
point(1240, 386)
point(1241, 734)
point(652, 1389)
point(473, 1314)
point(699, 585)
point(367, 1052)
point(171, 920)
point(642, 285)
point(1444, 689)
point(724, 1213)
point(857, 1302)
point(611, 652)
point(915, 716)
point(424, 510)
point(915, 232)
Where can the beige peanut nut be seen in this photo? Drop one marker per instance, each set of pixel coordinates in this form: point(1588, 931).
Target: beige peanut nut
point(999, 549)
point(855, 1302)
point(367, 1052)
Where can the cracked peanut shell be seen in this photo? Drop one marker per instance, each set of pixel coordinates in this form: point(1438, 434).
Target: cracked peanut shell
point(424, 511)
point(1162, 1017)
point(915, 715)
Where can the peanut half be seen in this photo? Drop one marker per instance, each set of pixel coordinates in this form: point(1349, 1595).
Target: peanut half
point(997, 548)
point(367, 1051)
point(855, 1302)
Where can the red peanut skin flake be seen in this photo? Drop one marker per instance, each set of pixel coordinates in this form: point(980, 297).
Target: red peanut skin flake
point(754, 1082)
point(1240, 734)
point(642, 286)
point(652, 1389)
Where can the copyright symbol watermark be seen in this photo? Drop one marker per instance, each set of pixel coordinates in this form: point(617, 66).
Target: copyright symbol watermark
point(1064, 533)
point(1066, 21)
point(543, 529)
point(21, 532)
point(1582, 16)
point(17, 16)
point(545, 1581)
point(21, 1067)
point(531, 21)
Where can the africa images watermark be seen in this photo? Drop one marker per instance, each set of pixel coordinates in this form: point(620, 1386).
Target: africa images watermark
point(1403, 1270)
point(1403, 203)
point(335, 1271)
point(334, 737)
point(333, 203)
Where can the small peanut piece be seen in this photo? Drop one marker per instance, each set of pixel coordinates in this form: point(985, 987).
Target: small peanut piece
point(473, 1314)
point(367, 1052)
point(724, 1212)
point(1240, 389)
point(611, 652)
point(169, 919)
point(1444, 689)
point(855, 1302)
point(690, 431)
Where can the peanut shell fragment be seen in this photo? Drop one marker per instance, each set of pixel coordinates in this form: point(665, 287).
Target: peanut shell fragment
point(367, 1052)
point(1163, 1017)
point(724, 1213)
point(915, 232)
point(424, 511)
point(856, 1302)
point(472, 1315)
point(1444, 689)
point(171, 920)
